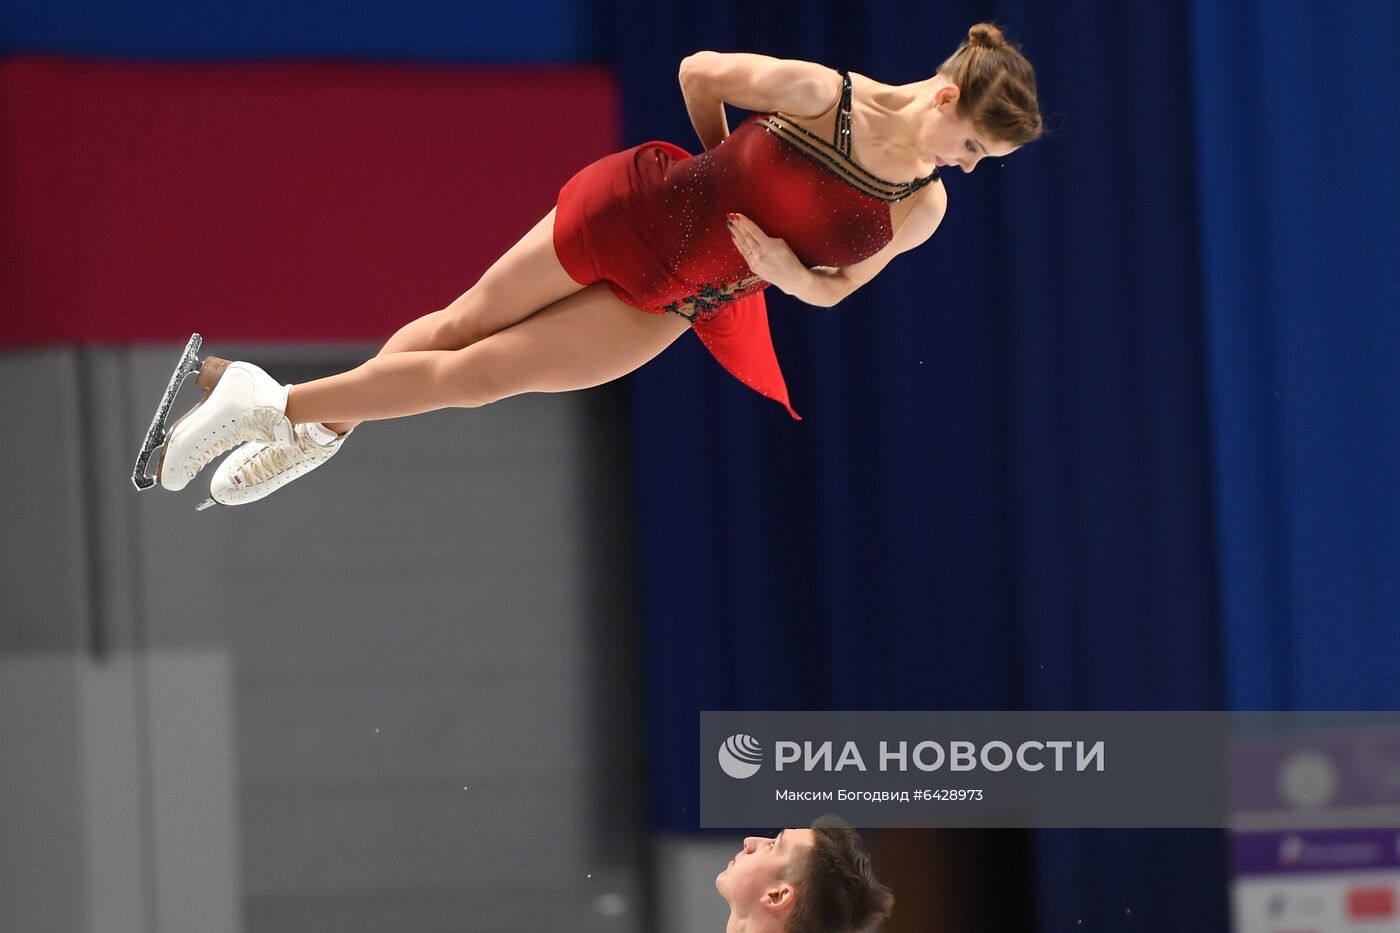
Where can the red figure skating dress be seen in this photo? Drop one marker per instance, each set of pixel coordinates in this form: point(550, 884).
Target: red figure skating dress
point(650, 221)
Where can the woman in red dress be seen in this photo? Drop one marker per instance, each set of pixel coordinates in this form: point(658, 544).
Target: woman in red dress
point(801, 196)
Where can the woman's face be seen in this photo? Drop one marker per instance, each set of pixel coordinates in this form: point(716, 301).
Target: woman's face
point(954, 140)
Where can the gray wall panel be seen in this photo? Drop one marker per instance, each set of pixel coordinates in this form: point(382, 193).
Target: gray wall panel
point(486, 909)
point(43, 568)
point(414, 624)
point(41, 832)
point(381, 838)
point(460, 581)
point(433, 730)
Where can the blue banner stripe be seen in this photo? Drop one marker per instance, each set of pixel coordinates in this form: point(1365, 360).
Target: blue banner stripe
point(415, 30)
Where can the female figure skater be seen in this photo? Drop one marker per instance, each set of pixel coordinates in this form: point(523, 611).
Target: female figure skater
point(800, 196)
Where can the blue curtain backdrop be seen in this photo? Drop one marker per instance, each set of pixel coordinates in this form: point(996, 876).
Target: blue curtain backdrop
point(1298, 124)
point(412, 30)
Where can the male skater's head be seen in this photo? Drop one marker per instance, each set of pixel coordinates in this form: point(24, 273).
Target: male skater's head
point(816, 880)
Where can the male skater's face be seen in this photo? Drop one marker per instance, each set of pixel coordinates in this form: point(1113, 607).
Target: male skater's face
point(759, 875)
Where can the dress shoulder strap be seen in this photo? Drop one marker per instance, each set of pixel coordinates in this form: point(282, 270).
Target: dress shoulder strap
point(842, 136)
point(839, 161)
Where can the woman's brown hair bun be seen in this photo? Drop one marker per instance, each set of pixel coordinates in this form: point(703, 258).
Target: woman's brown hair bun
point(997, 84)
point(986, 36)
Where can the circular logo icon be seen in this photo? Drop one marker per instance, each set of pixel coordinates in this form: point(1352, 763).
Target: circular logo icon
point(1308, 779)
point(740, 756)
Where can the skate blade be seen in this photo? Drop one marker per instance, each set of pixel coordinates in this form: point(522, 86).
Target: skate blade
point(156, 434)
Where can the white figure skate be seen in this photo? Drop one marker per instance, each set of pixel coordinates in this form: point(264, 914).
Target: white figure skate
point(256, 470)
point(242, 403)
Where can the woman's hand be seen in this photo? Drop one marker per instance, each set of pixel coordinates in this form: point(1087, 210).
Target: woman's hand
point(770, 258)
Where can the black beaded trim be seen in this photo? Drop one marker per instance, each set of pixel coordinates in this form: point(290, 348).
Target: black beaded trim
point(710, 300)
point(843, 168)
point(842, 165)
point(842, 137)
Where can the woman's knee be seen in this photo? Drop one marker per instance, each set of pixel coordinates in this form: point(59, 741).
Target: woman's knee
point(486, 308)
point(461, 323)
point(475, 376)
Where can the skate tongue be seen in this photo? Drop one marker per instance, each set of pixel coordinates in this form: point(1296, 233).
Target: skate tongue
point(321, 434)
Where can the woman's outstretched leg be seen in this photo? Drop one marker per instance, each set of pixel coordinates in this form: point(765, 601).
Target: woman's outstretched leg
point(525, 279)
point(583, 340)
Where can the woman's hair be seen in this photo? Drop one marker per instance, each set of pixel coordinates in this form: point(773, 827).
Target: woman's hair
point(997, 84)
point(837, 890)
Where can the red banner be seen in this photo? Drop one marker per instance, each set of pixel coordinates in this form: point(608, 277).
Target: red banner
point(298, 201)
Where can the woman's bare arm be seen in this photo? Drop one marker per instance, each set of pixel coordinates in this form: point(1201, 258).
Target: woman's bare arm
point(753, 82)
point(918, 225)
point(772, 259)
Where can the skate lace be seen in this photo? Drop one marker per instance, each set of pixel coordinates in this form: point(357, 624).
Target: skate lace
point(256, 425)
point(272, 460)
